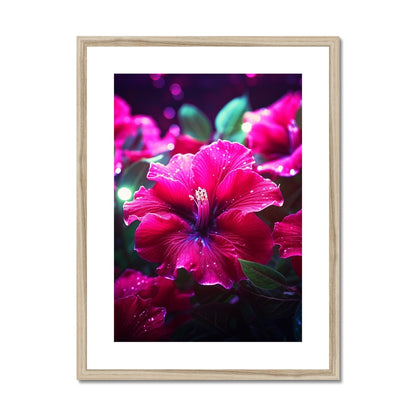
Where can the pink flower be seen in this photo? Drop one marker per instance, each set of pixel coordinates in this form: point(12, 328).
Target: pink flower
point(200, 214)
point(126, 125)
point(186, 144)
point(274, 135)
point(141, 304)
point(288, 235)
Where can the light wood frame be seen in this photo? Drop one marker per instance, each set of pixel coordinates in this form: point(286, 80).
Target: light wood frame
point(333, 371)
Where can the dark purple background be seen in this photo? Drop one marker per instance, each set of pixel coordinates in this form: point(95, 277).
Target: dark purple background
point(209, 92)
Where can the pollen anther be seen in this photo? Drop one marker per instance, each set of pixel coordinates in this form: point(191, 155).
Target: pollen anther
point(201, 195)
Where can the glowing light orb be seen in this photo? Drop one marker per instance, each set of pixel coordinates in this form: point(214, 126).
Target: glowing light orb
point(175, 89)
point(124, 194)
point(246, 127)
point(175, 130)
point(169, 112)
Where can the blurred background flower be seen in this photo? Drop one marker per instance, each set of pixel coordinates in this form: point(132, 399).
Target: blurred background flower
point(148, 308)
point(273, 133)
point(162, 95)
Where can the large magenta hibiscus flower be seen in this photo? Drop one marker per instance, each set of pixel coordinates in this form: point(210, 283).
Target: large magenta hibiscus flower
point(200, 214)
point(274, 135)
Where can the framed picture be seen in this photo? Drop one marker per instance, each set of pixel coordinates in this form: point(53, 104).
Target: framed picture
point(213, 188)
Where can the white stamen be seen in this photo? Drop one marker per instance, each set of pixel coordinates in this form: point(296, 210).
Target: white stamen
point(201, 194)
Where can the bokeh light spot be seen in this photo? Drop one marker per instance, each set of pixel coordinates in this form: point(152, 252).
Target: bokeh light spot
point(169, 113)
point(124, 194)
point(159, 83)
point(246, 127)
point(175, 130)
point(175, 89)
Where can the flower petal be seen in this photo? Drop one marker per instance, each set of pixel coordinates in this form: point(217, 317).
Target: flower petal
point(171, 193)
point(158, 236)
point(265, 136)
point(214, 162)
point(186, 144)
point(286, 166)
point(212, 260)
point(144, 202)
point(249, 235)
point(295, 134)
point(163, 292)
point(288, 235)
point(169, 240)
point(127, 125)
point(152, 144)
point(297, 265)
point(179, 169)
point(284, 110)
point(118, 161)
point(156, 147)
point(136, 319)
point(247, 191)
point(132, 283)
point(170, 297)
point(121, 108)
point(123, 128)
point(150, 131)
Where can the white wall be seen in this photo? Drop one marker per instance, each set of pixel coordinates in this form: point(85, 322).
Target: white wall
point(38, 325)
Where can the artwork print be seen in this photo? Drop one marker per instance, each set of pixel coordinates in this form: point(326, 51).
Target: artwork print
point(207, 207)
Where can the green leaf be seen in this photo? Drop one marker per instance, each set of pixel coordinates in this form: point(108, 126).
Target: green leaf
point(135, 176)
point(194, 122)
point(163, 158)
point(230, 119)
point(134, 142)
point(263, 276)
point(298, 117)
point(270, 303)
point(239, 136)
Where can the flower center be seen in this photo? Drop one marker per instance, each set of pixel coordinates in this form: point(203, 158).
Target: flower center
point(202, 203)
